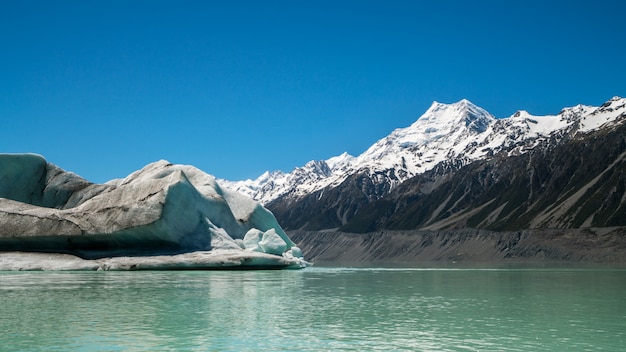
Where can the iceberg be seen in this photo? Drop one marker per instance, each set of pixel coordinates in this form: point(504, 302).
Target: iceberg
point(164, 216)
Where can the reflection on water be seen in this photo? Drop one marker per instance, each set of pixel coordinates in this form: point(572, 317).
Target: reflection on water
point(315, 309)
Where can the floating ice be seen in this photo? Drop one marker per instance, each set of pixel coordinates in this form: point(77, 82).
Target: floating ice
point(162, 209)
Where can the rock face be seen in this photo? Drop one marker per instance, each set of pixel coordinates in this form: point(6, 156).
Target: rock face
point(160, 210)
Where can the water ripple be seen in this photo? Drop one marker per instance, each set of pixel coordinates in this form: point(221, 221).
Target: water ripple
point(322, 309)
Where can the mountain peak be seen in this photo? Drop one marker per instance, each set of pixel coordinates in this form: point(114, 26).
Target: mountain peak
point(339, 160)
point(462, 104)
point(463, 112)
point(521, 114)
point(455, 133)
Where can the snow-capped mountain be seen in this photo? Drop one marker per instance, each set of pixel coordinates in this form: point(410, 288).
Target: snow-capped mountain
point(456, 134)
point(314, 175)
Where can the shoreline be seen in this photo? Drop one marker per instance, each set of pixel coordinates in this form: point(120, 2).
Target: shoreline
point(587, 245)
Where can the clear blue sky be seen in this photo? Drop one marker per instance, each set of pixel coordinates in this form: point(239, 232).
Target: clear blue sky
point(102, 88)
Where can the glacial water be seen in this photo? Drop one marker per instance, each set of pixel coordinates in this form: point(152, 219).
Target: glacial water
point(316, 309)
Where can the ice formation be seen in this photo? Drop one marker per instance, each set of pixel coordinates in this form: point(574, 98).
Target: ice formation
point(162, 213)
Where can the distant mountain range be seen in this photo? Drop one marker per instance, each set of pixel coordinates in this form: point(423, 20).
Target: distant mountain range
point(458, 166)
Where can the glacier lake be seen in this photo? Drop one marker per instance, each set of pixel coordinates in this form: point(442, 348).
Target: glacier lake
point(316, 309)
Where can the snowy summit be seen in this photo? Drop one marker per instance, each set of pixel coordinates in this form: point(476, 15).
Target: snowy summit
point(457, 133)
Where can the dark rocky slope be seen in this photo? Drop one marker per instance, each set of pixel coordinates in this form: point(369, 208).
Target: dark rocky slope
point(461, 164)
point(578, 184)
point(561, 201)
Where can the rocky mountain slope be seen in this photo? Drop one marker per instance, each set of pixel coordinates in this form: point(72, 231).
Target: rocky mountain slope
point(578, 183)
point(162, 216)
point(443, 141)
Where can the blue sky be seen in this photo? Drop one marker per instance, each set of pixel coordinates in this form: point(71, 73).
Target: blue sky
point(102, 88)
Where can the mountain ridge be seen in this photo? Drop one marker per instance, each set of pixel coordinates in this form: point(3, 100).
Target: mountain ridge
point(579, 183)
point(446, 137)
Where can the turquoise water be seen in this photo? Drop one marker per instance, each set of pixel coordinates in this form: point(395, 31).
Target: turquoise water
point(316, 309)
